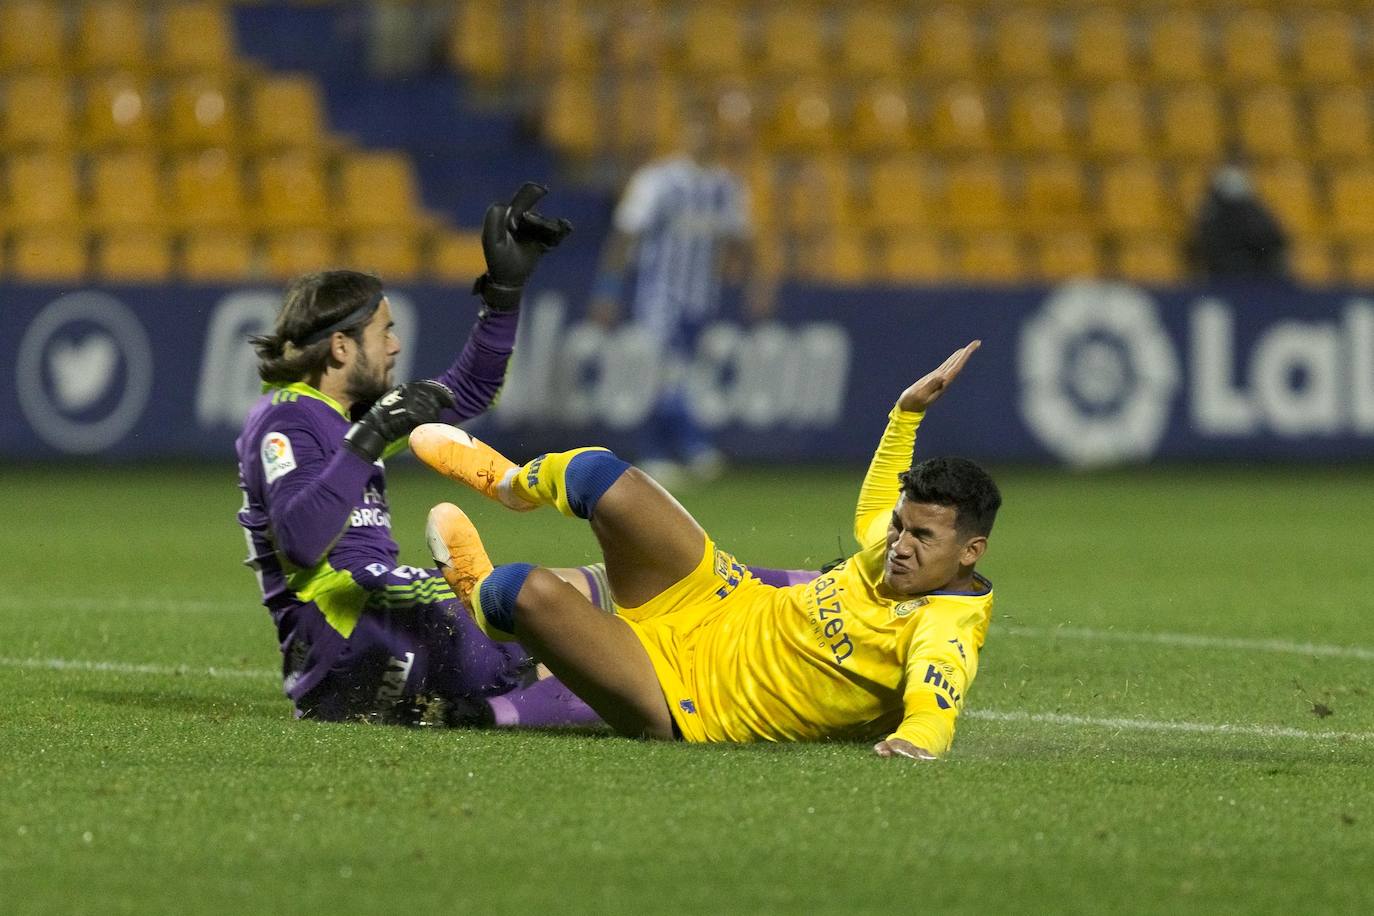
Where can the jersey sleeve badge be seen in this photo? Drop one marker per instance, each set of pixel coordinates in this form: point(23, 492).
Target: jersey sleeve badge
point(277, 457)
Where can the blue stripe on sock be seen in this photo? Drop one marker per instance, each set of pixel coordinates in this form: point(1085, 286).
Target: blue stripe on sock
point(588, 476)
point(499, 590)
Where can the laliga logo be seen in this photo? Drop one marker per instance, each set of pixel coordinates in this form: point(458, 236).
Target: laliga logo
point(1098, 374)
point(84, 373)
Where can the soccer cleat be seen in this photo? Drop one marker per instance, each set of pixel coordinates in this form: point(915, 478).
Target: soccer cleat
point(458, 456)
point(457, 549)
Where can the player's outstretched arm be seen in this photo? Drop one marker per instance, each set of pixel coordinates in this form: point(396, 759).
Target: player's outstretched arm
point(927, 390)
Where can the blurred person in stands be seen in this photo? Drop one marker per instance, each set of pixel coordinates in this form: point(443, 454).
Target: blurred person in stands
point(681, 229)
point(1235, 237)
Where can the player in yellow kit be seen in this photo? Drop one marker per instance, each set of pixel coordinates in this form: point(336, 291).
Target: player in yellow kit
point(884, 646)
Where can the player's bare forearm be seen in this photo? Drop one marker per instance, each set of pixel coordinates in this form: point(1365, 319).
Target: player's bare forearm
point(927, 390)
point(898, 747)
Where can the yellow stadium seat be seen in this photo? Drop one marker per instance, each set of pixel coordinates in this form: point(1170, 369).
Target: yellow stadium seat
point(844, 256)
point(1311, 261)
point(713, 39)
point(118, 111)
point(636, 43)
point(1038, 119)
point(1178, 47)
point(32, 35)
point(1023, 43)
point(207, 190)
point(197, 35)
point(870, 43)
point(112, 34)
point(648, 115)
point(1325, 48)
point(573, 119)
point(975, 195)
point(126, 190)
point(1117, 123)
point(218, 255)
point(1053, 195)
point(456, 257)
point(201, 111)
point(1191, 123)
point(377, 190)
point(390, 253)
point(1359, 263)
point(1251, 48)
point(133, 256)
point(1267, 123)
point(36, 110)
point(1133, 198)
point(960, 120)
point(300, 251)
point(946, 43)
point(804, 119)
point(557, 36)
point(1068, 256)
point(1153, 259)
point(42, 189)
point(899, 193)
point(735, 112)
point(818, 197)
point(479, 43)
point(49, 255)
point(1341, 124)
point(286, 111)
point(914, 258)
point(1190, 186)
point(1287, 188)
point(882, 120)
point(1351, 194)
point(793, 40)
point(292, 190)
point(1102, 46)
point(992, 257)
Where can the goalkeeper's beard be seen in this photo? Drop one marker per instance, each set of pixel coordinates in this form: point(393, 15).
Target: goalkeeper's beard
point(364, 383)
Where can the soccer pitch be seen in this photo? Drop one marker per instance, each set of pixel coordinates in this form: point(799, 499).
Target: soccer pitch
point(1173, 713)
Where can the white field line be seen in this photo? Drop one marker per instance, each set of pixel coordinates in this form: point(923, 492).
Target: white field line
point(1187, 641)
point(994, 715)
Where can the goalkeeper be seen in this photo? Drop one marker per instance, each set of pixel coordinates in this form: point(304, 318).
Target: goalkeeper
point(360, 635)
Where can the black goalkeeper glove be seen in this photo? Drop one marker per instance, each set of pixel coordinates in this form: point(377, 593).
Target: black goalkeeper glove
point(395, 414)
point(514, 238)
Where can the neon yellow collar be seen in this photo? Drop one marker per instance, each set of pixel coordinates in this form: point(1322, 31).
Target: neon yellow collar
point(308, 391)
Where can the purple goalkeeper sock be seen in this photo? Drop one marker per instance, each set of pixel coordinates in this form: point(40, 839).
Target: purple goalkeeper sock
point(544, 704)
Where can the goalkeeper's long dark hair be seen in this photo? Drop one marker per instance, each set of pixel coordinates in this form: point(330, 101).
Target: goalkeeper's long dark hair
point(313, 303)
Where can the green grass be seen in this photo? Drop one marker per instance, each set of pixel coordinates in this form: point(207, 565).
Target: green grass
point(177, 789)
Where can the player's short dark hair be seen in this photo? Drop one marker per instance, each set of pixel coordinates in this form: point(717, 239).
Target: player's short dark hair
point(959, 484)
point(313, 303)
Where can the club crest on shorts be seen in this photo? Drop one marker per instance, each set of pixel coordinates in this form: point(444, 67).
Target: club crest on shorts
point(907, 608)
point(277, 457)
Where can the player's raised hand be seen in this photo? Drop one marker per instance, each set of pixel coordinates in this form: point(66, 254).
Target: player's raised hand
point(897, 747)
point(395, 414)
point(514, 238)
point(930, 386)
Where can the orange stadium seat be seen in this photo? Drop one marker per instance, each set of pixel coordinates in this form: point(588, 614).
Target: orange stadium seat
point(300, 251)
point(1053, 195)
point(818, 197)
point(42, 189)
point(112, 34)
point(377, 190)
point(793, 40)
point(1351, 194)
point(292, 191)
point(133, 256)
point(126, 190)
point(947, 44)
point(1251, 48)
point(197, 36)
point(1267, 123)
point(899, 193)
point(36, 110)
point(870, 42)
point(480, 43)
point(992, 257)
point(389, 253)
point(1068, 256)
point(1133, 198)
point(713, 39)
point(975, 195)
point(32, 35)
point(1117, 123)
point(217, 255)
point(840, 256)
point(1191, 123)
point(637, 41)
point(804, 119)
point(1326, 49)
point(960, 119)
point(1341, 123)
point(1178, 47)
point(1287, 188)
point(48, 255)
point(201, 111)
point(118, 111)
point(1038, 119)
point(456, 257)
point(572, 119)
point(286, 111)
point(1023, 43)
point(207, 190)
point(882, 120)
point(1312, 261)
point(1152, 259)
point(914, 258)
point(1102, 49)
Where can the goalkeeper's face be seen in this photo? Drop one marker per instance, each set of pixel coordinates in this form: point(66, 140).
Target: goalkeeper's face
point(369, 373)
point(925, 551)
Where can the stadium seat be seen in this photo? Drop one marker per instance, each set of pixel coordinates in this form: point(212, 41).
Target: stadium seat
point(636, 43)
point(393, 254)
point(36, 110)
point(1117, 123)
point(992, 257)
point(818, 197)
point(42, 189)
point(1038, 119)
point(112, 35)
point(898, 193)
point(1359, 263)
point(196, 35)
point(914, 258)
point(1154, 259)
point(1133, 199)
point(881, 121)
point(456, 257)
point(975, 195)
point(804, 119)
point(1178, 47)
point(126, 190)
point(118, 111)
point(1102, 49)
point(1053, 195)
point(32, 36)
point(1341, 124)
point(49, 255)
point(292, 191)
point(561, 36)
point(377, 191)
point(870, 42)
point(1023, 43)
point(218, 256)
point(713, 39)
point(1251, 49)
point(760, 179)
point(207, 190)
point(1351, 195)
point(647, 115)
point(479, 43)
point(1067, 256)
point(1326, 49)
point(300, 251)
point(946, 44)
point(572, 119)
point(841, 256)
point(960, 120)
point(1267, 123)
point(793, 40)
point(1287, 189)
point(286, 111)
point(201, 111)
point(1191, 124)
point(1311, 261)
point(133, 256)
point(1190, 184)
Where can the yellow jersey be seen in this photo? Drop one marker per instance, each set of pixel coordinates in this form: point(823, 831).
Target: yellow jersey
point(832, 659)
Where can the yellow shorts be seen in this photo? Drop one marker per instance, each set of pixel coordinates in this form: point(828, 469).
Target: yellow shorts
point(665, 626)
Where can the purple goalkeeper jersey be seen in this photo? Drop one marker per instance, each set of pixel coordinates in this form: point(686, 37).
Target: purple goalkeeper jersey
point(316, 515)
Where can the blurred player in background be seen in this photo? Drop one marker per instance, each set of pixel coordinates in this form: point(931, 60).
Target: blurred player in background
point(883, 646)
point(681, 228)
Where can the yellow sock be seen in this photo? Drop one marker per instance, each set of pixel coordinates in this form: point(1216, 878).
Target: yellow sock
point(541, 481)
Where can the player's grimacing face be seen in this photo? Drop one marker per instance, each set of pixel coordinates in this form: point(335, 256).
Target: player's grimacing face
point(924, 549)
point(369, 376)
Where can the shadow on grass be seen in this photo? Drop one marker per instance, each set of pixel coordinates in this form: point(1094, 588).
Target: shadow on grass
point(214, 708)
